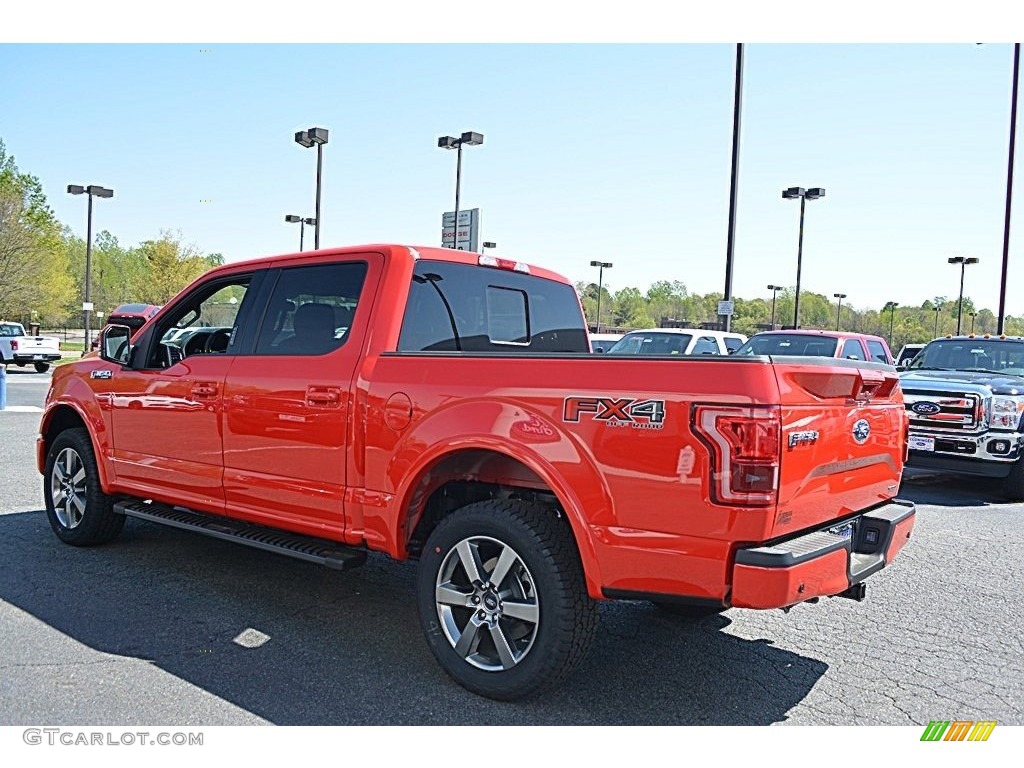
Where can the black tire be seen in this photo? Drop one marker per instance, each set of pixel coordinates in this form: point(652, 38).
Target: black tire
point(42, 367)
point(543, 578)
point(689, 611)
point(1013, 485)
point(78, 510)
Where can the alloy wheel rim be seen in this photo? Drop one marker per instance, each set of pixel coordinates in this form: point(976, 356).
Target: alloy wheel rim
point(68, 488)
point(487, 603)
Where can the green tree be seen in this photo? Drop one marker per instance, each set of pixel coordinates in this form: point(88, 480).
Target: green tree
point(34, 280)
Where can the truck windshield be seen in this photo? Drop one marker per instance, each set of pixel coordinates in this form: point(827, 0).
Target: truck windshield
point(790, 344)
point(993, 355)
point(10, 329)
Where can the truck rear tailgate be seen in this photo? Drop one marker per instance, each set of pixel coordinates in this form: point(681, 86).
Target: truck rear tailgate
point(843, 439)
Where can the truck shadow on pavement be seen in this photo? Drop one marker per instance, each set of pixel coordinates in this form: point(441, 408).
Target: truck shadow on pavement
point(951, 490)
point(348, 649)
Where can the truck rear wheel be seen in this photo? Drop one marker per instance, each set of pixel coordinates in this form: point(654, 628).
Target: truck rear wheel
point(502, 599)
point(42, 367)
point(78, 510)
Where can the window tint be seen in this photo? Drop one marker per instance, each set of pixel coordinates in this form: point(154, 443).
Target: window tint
point(852, 350)
point(984, 354)
point(877, 350)
point(706, 345)
point(460, 307)
point(732, 344)
point(311, 309)
point(651, 343)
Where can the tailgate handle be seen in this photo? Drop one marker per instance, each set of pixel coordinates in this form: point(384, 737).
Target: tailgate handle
point(873, 384)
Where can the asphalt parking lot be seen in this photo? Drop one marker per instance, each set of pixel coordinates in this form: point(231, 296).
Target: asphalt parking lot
point(164, 627)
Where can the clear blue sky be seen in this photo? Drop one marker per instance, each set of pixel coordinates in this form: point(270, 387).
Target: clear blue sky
point(611, 152)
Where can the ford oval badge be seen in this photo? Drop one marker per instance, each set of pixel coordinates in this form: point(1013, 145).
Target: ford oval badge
point(925, 408)
point(861, 430)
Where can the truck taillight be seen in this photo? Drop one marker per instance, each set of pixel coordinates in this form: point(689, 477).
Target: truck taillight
point(746, 445)
point(14, 345)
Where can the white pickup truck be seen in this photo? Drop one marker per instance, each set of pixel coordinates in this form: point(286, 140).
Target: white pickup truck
point(19, 349)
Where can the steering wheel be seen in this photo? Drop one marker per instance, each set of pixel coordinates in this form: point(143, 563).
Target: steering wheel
point(195, 344)
point(218, 341)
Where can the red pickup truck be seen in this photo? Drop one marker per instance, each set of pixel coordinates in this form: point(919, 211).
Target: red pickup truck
point(440, 405)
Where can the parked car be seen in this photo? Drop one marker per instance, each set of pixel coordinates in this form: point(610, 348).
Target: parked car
point(602, 342)
point(809, 343)
point(965, 399)
point(133, 315)
point(677, 341)
point(20, 349)
point(907, 353)
point(461, 420)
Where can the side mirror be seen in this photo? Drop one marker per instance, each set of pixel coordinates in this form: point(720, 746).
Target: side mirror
point(115, 344)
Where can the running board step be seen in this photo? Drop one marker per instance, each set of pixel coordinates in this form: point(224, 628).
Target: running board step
point(320, 551)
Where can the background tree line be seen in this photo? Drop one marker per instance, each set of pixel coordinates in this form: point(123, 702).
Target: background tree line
point(670, 303)
point(42, 263)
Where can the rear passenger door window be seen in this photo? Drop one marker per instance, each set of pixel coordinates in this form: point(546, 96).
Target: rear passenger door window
point(311, 308)
point(852, 350)
point(878, 353)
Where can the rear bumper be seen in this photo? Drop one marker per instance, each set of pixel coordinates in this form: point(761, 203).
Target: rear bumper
point(821, 563)
point(35, 357)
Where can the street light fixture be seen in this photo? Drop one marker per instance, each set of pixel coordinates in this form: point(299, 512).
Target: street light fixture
point(302, 222)
point(804, 194)
point(891, 306)
point(839, 296)
point(601, 265)
point(937, 308)
point(973, 315)
point(470, 139)
point(963, 261)
point(307, 139)
point(92, 191)
point(487, 244)
point(774, 289)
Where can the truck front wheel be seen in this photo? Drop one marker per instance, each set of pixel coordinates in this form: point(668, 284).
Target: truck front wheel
point(502, 599)
point(78, 510)
point(1013, 485)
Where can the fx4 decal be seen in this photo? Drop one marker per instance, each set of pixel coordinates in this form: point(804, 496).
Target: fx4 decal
point(616, 412)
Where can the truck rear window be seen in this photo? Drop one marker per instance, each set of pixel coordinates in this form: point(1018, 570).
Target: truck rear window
point(8, 329)
point(459, 307)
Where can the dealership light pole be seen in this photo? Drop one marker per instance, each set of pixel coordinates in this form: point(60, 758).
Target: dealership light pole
point(601, 267)
point(804, 194)
point(839, 309)
point(92, 190)
point(937, 321)
point(973, 315)
point(733, 180)
point(963, 261)
point(308, 138)
point(470, 139)
point(774, 289)
point(891, 306)
point(302, 222)
point(1009, 188)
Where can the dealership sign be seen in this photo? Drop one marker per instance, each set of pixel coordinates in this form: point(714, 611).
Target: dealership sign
point(469, 230)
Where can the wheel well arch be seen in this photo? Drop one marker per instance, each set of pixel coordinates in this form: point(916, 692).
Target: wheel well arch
point(468, 475)
point(61, 418)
